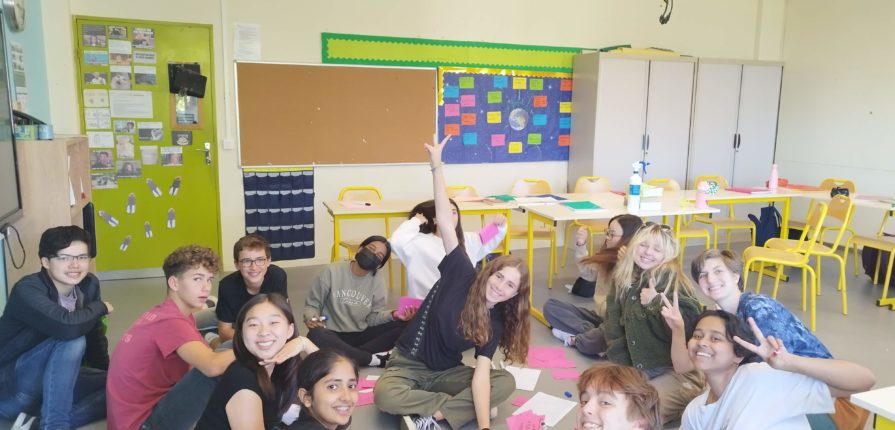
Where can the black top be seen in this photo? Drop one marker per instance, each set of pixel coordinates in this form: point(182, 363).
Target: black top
point(232, 292)
point(237, 377)
point(306, 422)
point(433, 335)
point(33, 314)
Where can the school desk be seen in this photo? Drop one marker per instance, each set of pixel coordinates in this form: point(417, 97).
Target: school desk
point(674, 203)
point(882, 403)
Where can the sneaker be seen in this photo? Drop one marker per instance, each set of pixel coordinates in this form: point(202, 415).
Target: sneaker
point(383, 359)
point(291, 414)
point(493, 413)
point(24, 422)
point(416, 422)
point(568, 339)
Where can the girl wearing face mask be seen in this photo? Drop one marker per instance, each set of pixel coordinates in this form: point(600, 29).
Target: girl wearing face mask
point(635, 331)
point(327, 390)
point(417, 242)
point(576, 326)
point(260, 385)
point(745, 392)
point(345, 309)
point(426, 380)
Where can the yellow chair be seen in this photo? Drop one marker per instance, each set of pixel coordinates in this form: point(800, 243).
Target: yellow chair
point(687, 231)
point(841, 208)
point(793, 257)
point(460, 191)
point(362, 193)
point(527, 187)
point(881, 243)
point(827, 185)
point(588, 184)
point(719, 223)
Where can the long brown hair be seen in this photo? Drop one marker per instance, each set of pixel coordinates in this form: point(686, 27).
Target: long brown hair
point(427, 208)
point(606, 258)
point(475, 323)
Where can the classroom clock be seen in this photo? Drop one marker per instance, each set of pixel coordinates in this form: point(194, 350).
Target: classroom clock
point(15, 14)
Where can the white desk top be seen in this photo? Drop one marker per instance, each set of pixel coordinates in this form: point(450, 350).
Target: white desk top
point(880, 401)
point(383, 207)
point(859, 200)
point(673, 203)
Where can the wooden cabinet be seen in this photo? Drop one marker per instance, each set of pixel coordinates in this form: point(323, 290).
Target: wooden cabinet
point(735, 120)
point(629, 108)
point(52, 173)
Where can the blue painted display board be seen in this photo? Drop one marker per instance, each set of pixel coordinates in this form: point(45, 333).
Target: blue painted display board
point(500, 116)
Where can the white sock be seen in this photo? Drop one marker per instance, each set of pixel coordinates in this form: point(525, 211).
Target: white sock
point(563, 336)
point(291, 414)
point(374, 360)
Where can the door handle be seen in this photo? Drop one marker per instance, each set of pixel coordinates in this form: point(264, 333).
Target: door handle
point(207, 153)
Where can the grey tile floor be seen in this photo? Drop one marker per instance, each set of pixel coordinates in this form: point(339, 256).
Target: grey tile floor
point(866, 335)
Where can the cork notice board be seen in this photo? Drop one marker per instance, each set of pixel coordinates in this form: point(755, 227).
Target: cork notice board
point(295, 114)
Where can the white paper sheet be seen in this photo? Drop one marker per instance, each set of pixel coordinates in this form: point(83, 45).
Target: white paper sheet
point(526, 379)
point(247, 42)
point(551, 407)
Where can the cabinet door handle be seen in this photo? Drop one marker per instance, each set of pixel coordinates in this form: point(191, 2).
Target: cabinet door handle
point(735, 141)
point(647, 142)
point(739, 141)
point(643, 142)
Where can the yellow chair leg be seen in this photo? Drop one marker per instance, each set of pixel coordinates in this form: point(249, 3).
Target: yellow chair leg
point(758, 281)
point(814, 282)
point(818, 271)
point(805, 288)
point(888, 276)
point(842, 285)
point(776, 279)
point(683, 248)
point(729, 231)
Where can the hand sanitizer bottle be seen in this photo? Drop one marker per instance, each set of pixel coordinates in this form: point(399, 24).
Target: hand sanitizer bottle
point(774, 179)
point(634, 184)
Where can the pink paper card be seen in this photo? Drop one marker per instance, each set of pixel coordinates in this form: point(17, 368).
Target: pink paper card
point(467, 100)
point(408, 302)
point(565, 374)
point(519, 401)
point(488, 232)
point(527, 420)
point(548, 358)
point(365, 384)
point(498, 139)
point(451, 109)
point(364, 399)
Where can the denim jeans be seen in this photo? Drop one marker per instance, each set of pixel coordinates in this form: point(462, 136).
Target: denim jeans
point(49, 379)
point(184, 404)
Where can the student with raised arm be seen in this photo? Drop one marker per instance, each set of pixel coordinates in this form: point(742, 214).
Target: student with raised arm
point(745, 392)
point(425, 376)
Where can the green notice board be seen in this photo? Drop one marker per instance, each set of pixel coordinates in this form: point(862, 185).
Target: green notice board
point(154, 184)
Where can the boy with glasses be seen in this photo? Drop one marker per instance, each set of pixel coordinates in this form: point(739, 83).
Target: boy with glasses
point(54, 350)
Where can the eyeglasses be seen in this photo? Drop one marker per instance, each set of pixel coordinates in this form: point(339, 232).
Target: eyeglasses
point(248, 262)
point(611, 235)
point(649, 224)
point(65, 258)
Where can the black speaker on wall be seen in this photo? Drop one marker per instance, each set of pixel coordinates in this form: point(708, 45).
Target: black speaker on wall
point(186, 79)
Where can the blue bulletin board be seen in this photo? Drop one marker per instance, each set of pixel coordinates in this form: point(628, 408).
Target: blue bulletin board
point(504, 116)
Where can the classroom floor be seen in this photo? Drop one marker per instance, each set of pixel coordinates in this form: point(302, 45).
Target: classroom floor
point(865, 335)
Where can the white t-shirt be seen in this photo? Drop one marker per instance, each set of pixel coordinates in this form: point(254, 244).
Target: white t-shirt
point(421, 253)
point(760, 397)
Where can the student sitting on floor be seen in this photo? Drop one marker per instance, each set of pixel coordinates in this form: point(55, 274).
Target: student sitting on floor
point(327, 390)
point(255, 275)
point(261, 384)
point(744, 392)
point(417, 242)
point(617, 397)
point(150, 384)
point(49, 328)
point(576, 326)
point(426, 376)
point(351, 296)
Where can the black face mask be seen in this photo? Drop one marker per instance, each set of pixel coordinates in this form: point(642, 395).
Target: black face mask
point(367, 260)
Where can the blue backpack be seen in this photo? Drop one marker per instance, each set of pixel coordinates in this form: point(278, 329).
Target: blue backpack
point(767, 226)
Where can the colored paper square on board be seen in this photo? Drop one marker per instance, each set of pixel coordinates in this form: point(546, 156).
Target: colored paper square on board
point(467, 82)
point(534, 138)
point(470, 138)
point(467, 100)
point(498, 140)
point(467, 119)
point(500, 81)
point(565, 85)
point(452, 129)
point(565, 140)
point(519, 83)
point(515, 148)
point(451, 109)
point(565, 122)
point(539, 101)
point(494, 117)
point(536, 84)
point(565, 107)
point(539, 119)
point(495, 96)
point(451, 91)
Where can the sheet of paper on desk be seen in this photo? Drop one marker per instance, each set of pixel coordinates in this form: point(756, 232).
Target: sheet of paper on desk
point(355, 204)
point(551, 407)
point(750, 190)
point(583, 206)
point(526, 379)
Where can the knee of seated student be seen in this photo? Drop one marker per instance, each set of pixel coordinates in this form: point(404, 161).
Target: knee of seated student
point(72, 349)
point(388, 394)
point(503, 384)
point(315, 334)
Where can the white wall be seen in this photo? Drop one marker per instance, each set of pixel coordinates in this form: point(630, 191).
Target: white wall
point(290, 32)
point(837, 109)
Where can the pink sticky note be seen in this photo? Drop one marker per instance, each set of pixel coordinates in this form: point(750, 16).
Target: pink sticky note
point(408, 302)
point(364, 399)
point(527, 420)
point(548, 358)
point(365, 384)
point(566, 374)
point(451, 109)
point(488, 232)
point(519, 401)
point(467, 100)
point(498, 139)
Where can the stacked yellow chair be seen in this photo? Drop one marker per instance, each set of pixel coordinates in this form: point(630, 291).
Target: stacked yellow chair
point(827, 185)
point(588, 184)
point(792, 257)
point(719, 223)
point(883, 244)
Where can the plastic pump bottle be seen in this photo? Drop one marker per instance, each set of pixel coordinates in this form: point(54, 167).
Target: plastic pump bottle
point(774, 178)
point(634, 184)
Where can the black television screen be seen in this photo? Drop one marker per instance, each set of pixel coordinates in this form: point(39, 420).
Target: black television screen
point(10, 200)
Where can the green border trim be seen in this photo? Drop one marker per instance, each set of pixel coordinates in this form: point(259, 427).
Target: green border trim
point(362, 49)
